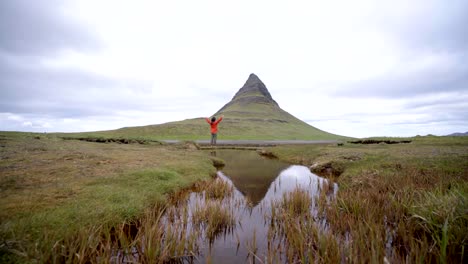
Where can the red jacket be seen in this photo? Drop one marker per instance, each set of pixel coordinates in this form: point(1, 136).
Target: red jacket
point(214, 125)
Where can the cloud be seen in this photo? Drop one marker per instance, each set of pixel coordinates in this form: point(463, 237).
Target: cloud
point(431, 41)
point(41, 27)
point(422, 25)
point(355, 67)
point(406, 82)
point(72, 93)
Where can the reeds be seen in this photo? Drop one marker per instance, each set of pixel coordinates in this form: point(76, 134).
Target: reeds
point(399, 216)
point(219, 189)
point(296, 235)
point(214, 217)
point(296, 203)
point(164, 233)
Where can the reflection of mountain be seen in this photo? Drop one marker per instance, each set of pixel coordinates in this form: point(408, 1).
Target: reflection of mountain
point(250, 173)
point(261, 179)
point(293, 177)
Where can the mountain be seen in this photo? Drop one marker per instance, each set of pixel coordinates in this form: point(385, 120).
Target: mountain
point(251, 114)
point(458, 134)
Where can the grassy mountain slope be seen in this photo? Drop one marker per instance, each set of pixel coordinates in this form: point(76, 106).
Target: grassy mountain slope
point(251, 114)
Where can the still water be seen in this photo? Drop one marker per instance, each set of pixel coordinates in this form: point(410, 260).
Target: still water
point(258, 183)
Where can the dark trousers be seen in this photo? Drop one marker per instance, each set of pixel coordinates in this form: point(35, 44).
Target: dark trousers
point(213, 138)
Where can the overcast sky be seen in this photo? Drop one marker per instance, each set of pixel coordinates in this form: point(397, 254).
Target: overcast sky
point(356, 68)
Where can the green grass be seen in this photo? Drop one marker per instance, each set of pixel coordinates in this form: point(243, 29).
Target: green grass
point(252, 121)
point(53, 189)
point(230, 128)
point(74, 201)
point(404, 202)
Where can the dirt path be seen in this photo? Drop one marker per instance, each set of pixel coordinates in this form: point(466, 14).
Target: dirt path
point(259, 142)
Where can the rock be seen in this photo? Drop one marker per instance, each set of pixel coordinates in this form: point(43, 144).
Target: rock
point(266, 153)
point(327, 168)
point(217, 162)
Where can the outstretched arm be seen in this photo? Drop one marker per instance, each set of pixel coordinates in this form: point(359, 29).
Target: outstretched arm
point(207, 120)
point(219, 120)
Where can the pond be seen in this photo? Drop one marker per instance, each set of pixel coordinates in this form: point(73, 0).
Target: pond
point(259, 184)
point(257, 210)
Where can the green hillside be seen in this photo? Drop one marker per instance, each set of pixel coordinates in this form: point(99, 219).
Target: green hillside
point(251, 114)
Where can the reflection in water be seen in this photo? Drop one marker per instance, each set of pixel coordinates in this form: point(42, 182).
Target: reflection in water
point(259, 181)
point(258, 186)
point(250, 173)
point(252, 221)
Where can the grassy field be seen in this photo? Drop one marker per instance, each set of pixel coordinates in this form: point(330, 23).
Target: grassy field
point(69, 200)
point(54, 189)
point(231, 128)
point(403, 202)
point(254, 121)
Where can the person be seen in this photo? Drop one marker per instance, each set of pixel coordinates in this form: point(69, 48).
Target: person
point(214, 127)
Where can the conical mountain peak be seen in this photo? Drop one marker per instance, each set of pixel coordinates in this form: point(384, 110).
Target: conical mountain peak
point(254, 87)
point(254, 92)
point(253, 79)
point(251, 114)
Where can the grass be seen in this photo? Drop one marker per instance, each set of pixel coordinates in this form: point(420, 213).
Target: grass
point(296, 203)
point(52, 189)
point(296, 230)
point(252, 121)
point(231, 128)
point(73, 201)
point(403, 202)
point(218, 189)
point(215, 217)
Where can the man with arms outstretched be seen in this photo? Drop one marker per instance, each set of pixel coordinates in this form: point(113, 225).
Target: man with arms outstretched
point(214, 128)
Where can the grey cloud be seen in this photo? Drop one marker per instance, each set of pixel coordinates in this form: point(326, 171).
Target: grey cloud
point(455, 100)
point(29, 32)
point(62, 92)
point(433, 28)
point(39, 28)
point(433, 25)
point(451, 119)
point(430, 81)
point(74, 93)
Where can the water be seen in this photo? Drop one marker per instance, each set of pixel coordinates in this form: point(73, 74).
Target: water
point(259, 186)
point(258, 183)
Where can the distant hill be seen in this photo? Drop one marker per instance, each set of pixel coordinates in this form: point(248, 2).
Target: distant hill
point(251, 114)
point(458, 134)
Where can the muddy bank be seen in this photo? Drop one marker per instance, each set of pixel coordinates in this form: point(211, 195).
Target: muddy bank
point(375, 141)
point(114, 140)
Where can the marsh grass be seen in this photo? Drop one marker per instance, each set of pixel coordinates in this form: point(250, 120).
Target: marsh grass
point(215, 217)
point(397, 203)
point(397, 218)
point(219, 189)
point(71, 201)
point(296, 203)
point(442, 216)
point(296, 234)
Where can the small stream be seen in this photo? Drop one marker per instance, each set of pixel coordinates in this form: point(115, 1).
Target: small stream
point(257, 191)
point(259, 183)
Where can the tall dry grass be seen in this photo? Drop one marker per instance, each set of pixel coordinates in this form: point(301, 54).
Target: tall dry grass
point(400, 217)
point(296, 234)
point(214, 217)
